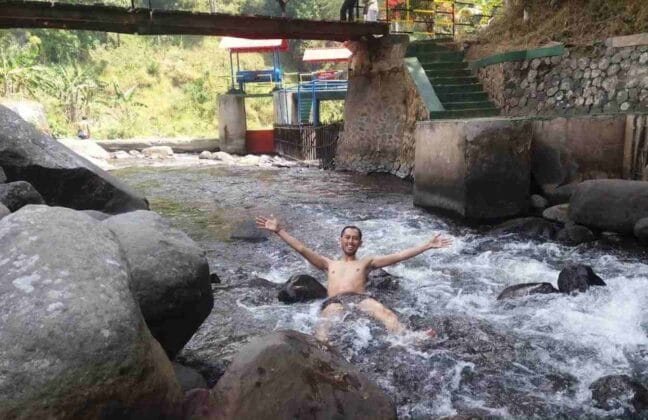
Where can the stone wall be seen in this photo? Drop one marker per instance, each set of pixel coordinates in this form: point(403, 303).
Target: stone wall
point(598, 79)
point(381, 110)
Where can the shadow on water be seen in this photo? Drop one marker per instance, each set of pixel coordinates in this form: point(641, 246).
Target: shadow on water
point(532, 357)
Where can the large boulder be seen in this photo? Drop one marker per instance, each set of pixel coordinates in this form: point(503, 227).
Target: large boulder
point(62, 177)
point(4, 211)
point(526, 289)
point(17, 194)
point(609, 204)
point(288, 375)
point(301, 288)
point(615, 392)
point(74, 343)
point(578, 278)
point(169, 276)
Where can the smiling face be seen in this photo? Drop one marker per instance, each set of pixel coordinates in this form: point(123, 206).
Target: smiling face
point(350, 241)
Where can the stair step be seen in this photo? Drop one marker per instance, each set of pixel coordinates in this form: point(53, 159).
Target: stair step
point(421, 48)
point(453, 80)
point(463, 113)
point(436, 73)
point(450, 106)
point(425, 57)
point(462, 97)
point(444, 65)
point(457, 88)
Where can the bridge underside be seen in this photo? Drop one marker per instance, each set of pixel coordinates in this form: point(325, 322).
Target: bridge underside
point(17, 14)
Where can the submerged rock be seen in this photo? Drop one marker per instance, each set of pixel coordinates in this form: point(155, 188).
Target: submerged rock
point(573, 234)
point(578, 278)
point(614, 392)
point(301, 288)
point(74, 343)
point(288, 375)
point(62, 177)
point(382, 280)
point(17, 194)
point(533, 227)
point(526, 289)
point(247, 231)
point(169, 276)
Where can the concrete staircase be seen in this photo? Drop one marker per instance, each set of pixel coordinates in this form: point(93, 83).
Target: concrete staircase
point(460, 93)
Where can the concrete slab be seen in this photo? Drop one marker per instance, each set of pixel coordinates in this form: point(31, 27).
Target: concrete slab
point(627, 41)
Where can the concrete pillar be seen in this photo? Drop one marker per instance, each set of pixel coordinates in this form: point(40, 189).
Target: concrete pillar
point(478, 168)
point(232, 123)
point(285, 108)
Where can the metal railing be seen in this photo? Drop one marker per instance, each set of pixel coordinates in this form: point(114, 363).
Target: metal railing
point(307, 142)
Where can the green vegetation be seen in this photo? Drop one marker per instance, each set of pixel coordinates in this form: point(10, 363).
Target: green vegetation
point(130, 86)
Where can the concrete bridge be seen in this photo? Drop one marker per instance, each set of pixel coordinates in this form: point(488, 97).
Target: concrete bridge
point(30, 14)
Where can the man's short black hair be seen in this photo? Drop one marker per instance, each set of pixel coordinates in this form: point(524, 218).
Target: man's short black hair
point(351, 227)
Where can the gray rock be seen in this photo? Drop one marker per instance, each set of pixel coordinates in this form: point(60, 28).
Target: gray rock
point(307, 377)
point(3, 176)
point(74, 343)
point(609, 204)
point(538, 202)
point(533, 227)
point(383, 281)
point(558, 213)
point(620, 392)
point(613, 69)
point(17, 194)
point(603, 63)
point(4, 211)
point(169, 276)
point(526, 289)
point(641, 229)
point(97, 215)
point(561, 194)
point(301, 288)
point(188, 378)
point(247, 231)
point(573, 234)
point(61, 176)
point(205, 155)
point(578, 278)
point(625, 106)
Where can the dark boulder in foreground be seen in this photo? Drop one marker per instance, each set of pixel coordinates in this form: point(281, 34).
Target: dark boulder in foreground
point(301, 288)
point(578, 278)
point(74, 343)
point(532, 227)
point(287, 375)
point(526, 289)
point(18, 194)
point(615, 392)
point(610, 204)
point(61, 176)
point(169, 276)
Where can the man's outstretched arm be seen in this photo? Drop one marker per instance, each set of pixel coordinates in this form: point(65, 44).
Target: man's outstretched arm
point(272, 224)
point(383, 261)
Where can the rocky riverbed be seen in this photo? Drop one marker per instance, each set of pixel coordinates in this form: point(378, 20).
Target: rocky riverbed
point(533, 356)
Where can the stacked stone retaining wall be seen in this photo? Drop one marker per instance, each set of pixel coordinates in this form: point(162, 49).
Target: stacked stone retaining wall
point(597, 79)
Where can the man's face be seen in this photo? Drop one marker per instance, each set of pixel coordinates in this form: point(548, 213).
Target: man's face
point(350, 241)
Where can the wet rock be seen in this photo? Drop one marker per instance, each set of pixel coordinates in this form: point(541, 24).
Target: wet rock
point(614, 392)
point(62, 177)
point(17, 194)
point(188, 378)
point(74, 343)
point(4, 211)
point(259, 282)
point(578, 278)
point(158, 152)
point(223, 156)
point(641, 229)
point(307, 378)
point(533, 227)
point(558, 213)
point(526, 289)
point(301, 288)
point(382, 280)
point(538, 202)
point(214, 279)
point(609, 204)
point(97, 215)
point(3, 176)
point(169, 276)
point(135, 153)
point(573, 234)
point(205, 155)
point(120, 154)
point(247, 231)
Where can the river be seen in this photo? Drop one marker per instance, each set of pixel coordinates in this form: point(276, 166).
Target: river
point(535, 356)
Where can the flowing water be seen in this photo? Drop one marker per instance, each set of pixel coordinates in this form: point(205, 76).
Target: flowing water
point(534, 356)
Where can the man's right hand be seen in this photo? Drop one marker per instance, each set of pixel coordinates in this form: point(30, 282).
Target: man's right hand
point(268, 223)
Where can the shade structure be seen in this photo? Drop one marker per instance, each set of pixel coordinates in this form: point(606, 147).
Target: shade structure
point(245, 45)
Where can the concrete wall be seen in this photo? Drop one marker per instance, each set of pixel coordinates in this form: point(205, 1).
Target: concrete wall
point(477, 168)
point(232, 123)
point(381, 110)
point(586, 80)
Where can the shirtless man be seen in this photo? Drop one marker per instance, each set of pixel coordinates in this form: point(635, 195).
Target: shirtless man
point(348, 275)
